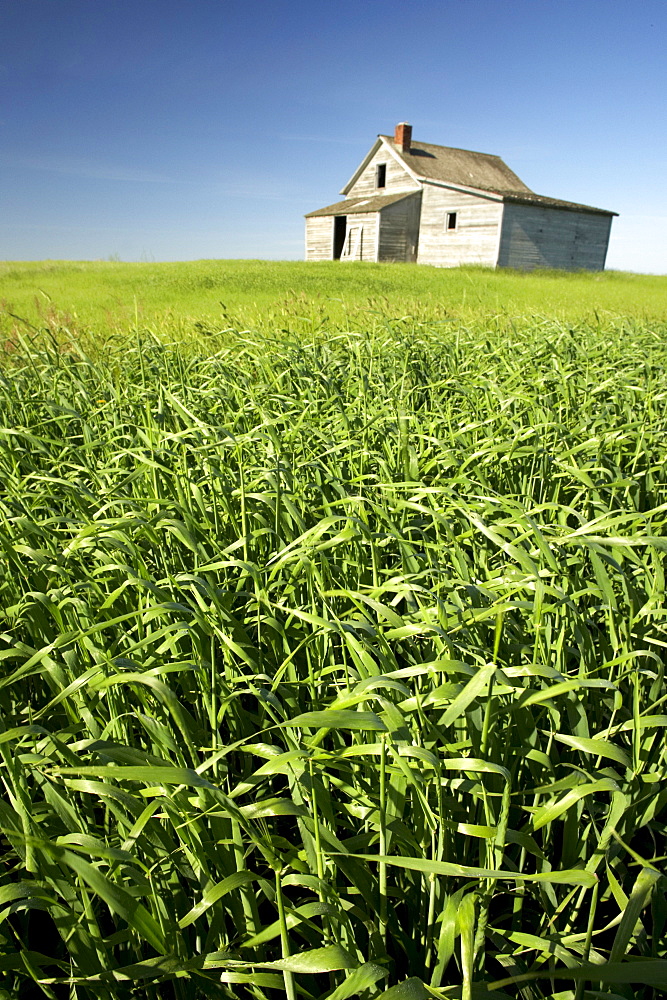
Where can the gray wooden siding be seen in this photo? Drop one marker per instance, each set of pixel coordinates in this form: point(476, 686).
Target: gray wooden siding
point(319, 238)
point(397, 179)
point(475, 239)
point(535, 236)
point(366, 247)
point(399, 230)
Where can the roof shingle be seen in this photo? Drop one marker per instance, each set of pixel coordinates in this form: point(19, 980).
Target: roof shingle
point(530, 198)
point(459, 166)
point(354, 206)
point(483, 171)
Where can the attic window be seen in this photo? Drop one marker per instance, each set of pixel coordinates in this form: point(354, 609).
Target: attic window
point(450, 221)
point(381, 175)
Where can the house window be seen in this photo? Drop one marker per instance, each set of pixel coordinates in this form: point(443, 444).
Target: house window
point(450, 221)
point(381, 175)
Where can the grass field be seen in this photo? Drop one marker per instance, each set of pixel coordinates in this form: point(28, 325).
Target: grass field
point(179, 301)
point(332, 648)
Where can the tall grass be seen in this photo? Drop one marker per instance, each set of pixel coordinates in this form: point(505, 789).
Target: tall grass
point(334, 667)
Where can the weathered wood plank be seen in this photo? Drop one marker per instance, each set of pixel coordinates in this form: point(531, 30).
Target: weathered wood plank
point(319, 238)
point(475, 239)
point(536, 236)
point(397, 177)
point(365, 246)
point(399, 230)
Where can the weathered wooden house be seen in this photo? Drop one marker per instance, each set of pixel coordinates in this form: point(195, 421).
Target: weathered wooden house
point(412, 201)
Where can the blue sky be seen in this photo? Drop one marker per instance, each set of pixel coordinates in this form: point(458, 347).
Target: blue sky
point(185, 129)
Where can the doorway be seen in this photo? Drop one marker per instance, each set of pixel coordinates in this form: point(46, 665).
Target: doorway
point(339, 234)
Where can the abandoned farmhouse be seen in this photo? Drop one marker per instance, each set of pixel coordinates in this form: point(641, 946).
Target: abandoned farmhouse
point(416, 202)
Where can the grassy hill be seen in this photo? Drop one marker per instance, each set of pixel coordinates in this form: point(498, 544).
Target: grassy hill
point(179, 300)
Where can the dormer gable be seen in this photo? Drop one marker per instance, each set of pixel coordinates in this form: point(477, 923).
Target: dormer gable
point(381, 171)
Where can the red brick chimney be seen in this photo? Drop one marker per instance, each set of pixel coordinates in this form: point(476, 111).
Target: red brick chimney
point(403, 136)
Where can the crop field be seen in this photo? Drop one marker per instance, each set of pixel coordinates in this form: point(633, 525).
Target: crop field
point(332, 633)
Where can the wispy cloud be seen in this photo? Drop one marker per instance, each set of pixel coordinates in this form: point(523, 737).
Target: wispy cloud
point(336, 140)
point(77, 167)
point(257, 194)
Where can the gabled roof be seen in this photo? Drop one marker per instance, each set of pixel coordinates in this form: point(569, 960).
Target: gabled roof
point(458, 166)
point(483, 171)
point(355, 206)
point(447, 165)
point(530, 198)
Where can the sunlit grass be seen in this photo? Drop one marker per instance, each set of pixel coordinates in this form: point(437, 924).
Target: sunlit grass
point(183, 300)
point(334, 664)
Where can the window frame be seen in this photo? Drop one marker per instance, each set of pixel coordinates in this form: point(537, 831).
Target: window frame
point(380, 172)
point(449, 217)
